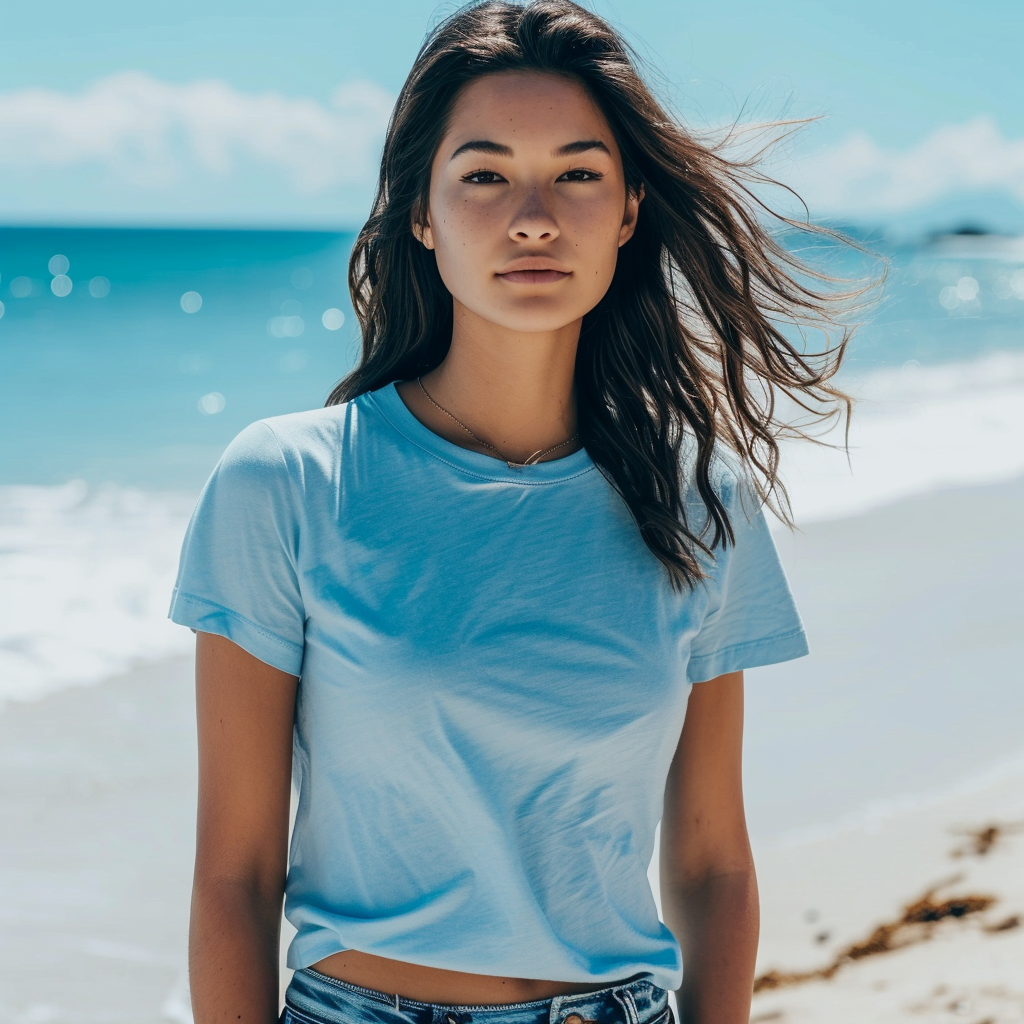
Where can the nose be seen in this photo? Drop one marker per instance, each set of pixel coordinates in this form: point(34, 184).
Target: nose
point(533, 221)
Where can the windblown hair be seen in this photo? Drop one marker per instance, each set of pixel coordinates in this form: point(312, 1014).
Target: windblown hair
point(688, 342)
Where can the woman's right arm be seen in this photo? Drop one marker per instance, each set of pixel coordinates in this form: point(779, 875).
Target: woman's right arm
point(245, 711)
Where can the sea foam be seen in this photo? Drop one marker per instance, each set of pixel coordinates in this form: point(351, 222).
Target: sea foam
point(85, 582)
point(86, 574)
point(914, 430)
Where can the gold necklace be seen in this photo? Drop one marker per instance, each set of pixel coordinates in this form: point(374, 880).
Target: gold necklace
point(535, 457)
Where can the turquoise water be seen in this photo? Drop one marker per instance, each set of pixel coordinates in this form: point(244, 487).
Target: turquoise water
point(112, 388)
point(128, 387)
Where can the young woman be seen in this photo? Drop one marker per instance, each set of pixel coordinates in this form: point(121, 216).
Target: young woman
point(477, 588)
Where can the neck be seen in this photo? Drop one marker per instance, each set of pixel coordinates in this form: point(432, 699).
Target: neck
point(514, 390)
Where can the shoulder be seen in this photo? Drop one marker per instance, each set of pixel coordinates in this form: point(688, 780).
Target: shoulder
point(306, 433)
point(300, 445)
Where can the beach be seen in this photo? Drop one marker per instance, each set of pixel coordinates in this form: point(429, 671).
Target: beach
point(915, 914)
point(908, 902)
point(913, 613)
point(869, 764)
point(98, 803)
point(185, 195)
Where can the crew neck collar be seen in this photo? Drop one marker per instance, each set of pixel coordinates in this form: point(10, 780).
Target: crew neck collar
point(398, 414)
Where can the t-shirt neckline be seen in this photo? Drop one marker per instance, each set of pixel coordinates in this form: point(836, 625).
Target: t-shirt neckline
point(390, 403)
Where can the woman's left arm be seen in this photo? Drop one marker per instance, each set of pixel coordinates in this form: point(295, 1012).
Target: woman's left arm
point(708, 886)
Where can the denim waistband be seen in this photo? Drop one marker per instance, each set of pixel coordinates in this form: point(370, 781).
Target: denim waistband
point(314, 998)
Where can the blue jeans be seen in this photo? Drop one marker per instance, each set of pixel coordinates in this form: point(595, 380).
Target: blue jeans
point(313, 998)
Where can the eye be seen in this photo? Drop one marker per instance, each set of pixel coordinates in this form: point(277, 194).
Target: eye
point(482, 177)
point(581, 174)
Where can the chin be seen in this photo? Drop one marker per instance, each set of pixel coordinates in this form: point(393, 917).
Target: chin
point(536, 316)
point(534, 324)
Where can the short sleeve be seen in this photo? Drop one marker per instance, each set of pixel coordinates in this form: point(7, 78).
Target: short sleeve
point(751, 617)
point(238, 575)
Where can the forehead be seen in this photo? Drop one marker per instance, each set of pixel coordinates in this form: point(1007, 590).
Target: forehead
point(524, 107)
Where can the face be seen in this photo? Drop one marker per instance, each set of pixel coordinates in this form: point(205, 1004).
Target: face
point(528, 203)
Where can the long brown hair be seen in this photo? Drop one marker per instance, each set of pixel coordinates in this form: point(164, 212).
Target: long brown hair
point(689, 338)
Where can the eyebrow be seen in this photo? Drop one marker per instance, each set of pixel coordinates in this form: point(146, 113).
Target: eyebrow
point(497, 149)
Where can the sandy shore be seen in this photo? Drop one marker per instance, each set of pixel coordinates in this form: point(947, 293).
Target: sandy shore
point(914, 914)
point(97, 800)
point(914, 683)
point(906, 901)
point(915, 675)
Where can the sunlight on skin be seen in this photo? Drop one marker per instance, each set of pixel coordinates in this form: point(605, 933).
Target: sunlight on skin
point(527, 210)
point(533, 206)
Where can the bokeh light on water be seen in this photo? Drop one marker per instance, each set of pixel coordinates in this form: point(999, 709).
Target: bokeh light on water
point(1012, 285)
point(963, 292)
point(286, 326)
point(333, 319)
point(99, 287)
point(115, 381)
point(211, 404)
point(61, 286)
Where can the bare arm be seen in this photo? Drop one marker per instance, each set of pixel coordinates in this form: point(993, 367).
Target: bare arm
point(245, 711)
point(708, 886)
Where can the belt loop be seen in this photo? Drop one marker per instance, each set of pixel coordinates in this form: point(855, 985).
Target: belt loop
point(556, 1009)
point(626, 1001)
point(397, 1006)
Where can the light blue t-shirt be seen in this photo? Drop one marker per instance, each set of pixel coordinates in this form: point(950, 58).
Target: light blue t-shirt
point(494, 671)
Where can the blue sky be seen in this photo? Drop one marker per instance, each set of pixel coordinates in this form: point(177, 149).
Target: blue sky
point(101, 117)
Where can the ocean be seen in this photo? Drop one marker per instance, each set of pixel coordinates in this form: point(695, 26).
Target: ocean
point(165, 345)
point(129, 358)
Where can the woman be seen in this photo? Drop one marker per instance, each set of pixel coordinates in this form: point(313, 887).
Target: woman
point(480, 583)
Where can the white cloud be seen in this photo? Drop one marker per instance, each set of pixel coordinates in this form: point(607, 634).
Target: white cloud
point(858, 176)
point(130, 146)
point(153, 135)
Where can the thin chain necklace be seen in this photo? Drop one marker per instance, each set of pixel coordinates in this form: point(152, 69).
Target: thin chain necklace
point(535, 457)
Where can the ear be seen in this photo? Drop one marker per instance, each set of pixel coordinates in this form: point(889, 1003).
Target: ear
point(423, 232)
point(630, 214)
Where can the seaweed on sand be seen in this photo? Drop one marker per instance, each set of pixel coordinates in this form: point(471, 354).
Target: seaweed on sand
point(914, 925)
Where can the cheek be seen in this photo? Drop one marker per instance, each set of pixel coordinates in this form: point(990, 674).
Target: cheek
point(458, 220)
point(461, 232)
point(595, 232)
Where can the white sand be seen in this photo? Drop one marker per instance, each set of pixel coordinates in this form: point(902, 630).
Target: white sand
point(907, 722)
point(915, 680)
point(97, 804)
point(915, 616)
point(840, 887)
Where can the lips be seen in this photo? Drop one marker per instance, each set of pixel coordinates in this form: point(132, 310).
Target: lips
point(533, 276)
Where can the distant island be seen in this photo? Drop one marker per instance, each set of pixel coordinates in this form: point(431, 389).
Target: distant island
point(967, 230)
